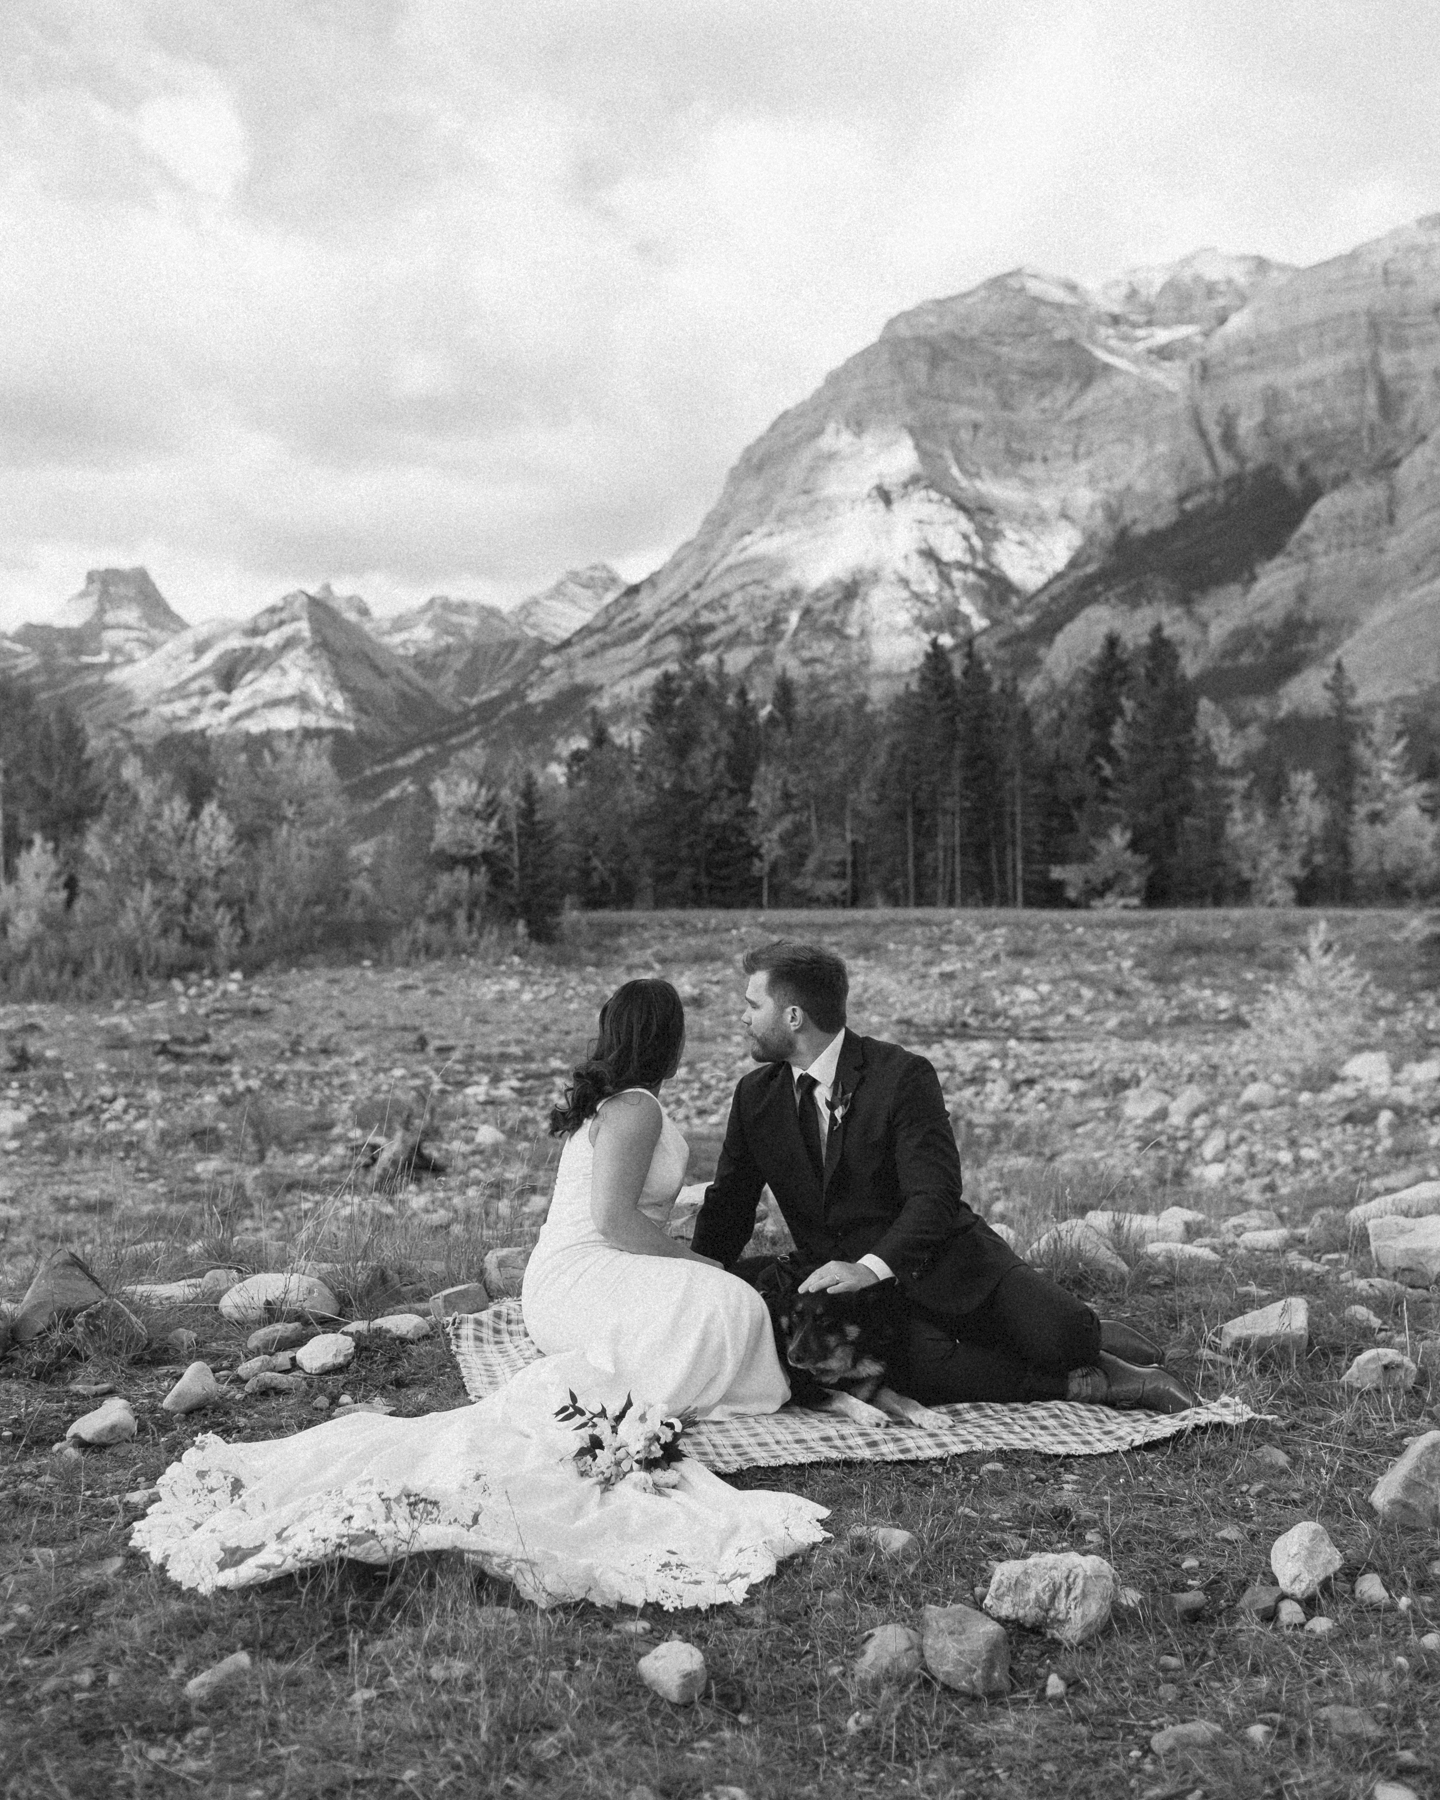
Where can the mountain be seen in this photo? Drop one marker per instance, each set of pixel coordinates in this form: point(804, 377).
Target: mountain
point(118, 616)
point(301, 665)
point(1241, 450)
point(463, 649)
point(573, 601)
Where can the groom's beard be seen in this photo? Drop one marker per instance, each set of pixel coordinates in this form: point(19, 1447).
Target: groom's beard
point(773, 1046)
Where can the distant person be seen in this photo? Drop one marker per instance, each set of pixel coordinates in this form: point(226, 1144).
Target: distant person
point(852, 1137)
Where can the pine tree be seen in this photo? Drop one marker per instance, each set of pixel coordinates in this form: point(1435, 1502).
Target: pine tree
point(1155, 785)
point(1339, 785)
point(981, 784)
point(936, 720)
point(599, 813)
point(50, 789)
point(538, 882)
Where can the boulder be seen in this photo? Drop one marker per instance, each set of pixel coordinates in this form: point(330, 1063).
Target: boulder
point(1181, 1223)
point(1259, 1602)
point(1075, 1244)
point(271, 1382)
point(1326, 1229)
point(1363, 1317)
point(675, 1671)
point(1258, 1218)
point(890, 1541)
point(505, 1269)
point(1284, 1325)
point(468, 1297)
point(221, 1674)
point(109, 1328)
point(1421, 1074)
point(1063, 1594)
point(1398, 1243)
point(280, 1363)
point(197, 1387)
point(1408, 1493)
point(63, 1287)
point(889, 1653)
point(1382, 1369)
point(260, 1299)
point(489, 1137)
point(1133, 1230)
point(1371, 1591)
point(1290, 1615)
point(1265, 1243)
point(1419, 1201)
point(1182, 1259)
point(1303, 1559)
point(1371, 1068)
point(327, 1353)
point(112, 1422)
point(1353, 1722)
point(1186, 1105)
point(966, 1651)
point(1259, 1096)
point(270, 1338)
point(408, 1327)
point(1144, 1105)
point(1194, 1734)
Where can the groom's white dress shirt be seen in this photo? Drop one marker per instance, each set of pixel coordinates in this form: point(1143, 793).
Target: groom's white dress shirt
point(822, 1070)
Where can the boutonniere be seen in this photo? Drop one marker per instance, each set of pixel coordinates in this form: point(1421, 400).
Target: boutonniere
point(839, 1106)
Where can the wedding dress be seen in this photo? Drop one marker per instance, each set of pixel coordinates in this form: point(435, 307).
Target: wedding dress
point(497, 1480)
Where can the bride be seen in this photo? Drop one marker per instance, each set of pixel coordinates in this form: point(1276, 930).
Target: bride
point(621, 1311)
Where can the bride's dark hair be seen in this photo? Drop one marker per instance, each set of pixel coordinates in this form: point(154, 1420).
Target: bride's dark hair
point(642, 1027)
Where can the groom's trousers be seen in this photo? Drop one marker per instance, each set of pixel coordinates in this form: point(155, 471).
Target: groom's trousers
point(1021, 1343)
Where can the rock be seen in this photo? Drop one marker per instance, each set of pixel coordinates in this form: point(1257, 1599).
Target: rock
point(1303, 1559)
point(1063, 1594)
point(1428, 1355)
point(109, 1328)
point(1195, 1734)
point(966, 1651)
point(1265, 1243)
point(408, 1327)
point(889, 1653)
point(1259, 1602)
point(1373, 1287)
point(216, 1283)
point(1430, 1643)
point(1321, 1627)
point(1258, 1097)
point(1180, 1223)
point(1261, 1736)
point(279, 1364)
point(270, 1382)
point(1362, 1315)
point(1419, 1201)
point(1398, 1244)
point(324, 1354)
point(1132, 1230)
point(63, 1287)
point(197, 1387)
point(1371, 1068)
point(1189, 1604)
point(469, 1297)
point(1284, 1326)
point(1370, 1590)
point(1214, 1145)
point(1075, 1244)
point(1326, 1229)
point(1383, 1370)
point(259, 1298)
point(675, 1671)
point(1143, 1105)
point(221, 1674)
point(1351, 1722)
point(1290, 1615)
point(270, 1338)
point(1258, 1218)
point(1408, 1493)
point(164, 1293)
point(1181, 1258)
point(489, 1137)
point(1186, 1104)
point(112, 1422)
point(1421, 1074)
point(1393, 1790)
point(892, 1543)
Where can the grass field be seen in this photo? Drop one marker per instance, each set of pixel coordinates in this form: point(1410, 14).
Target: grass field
point(174, 1131)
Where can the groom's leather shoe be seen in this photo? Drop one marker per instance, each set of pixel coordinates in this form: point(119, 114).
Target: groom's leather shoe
point(1128, 1344)
point(1149, 1388)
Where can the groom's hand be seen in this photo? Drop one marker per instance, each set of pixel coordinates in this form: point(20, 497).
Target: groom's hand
point(839, 1278)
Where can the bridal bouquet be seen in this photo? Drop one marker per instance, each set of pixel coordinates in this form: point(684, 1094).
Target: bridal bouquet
point(639, 1443)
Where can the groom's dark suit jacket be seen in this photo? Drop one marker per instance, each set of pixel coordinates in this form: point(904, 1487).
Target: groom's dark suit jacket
point(891, 1184)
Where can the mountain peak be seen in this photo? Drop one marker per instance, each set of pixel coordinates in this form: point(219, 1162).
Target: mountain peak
point(572, 601)
point(118, 616)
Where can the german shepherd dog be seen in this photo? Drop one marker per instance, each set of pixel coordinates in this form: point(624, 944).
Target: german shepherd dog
point(839, 1350)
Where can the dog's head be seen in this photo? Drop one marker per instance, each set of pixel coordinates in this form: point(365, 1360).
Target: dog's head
point(821, 1340)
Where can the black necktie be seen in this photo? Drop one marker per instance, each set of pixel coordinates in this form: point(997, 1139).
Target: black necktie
point(810, 1122)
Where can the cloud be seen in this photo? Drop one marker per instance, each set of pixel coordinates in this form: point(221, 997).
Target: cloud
point(428, 297)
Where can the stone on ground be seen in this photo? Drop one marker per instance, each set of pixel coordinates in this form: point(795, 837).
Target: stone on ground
point(221, 1674)
point(63, 1287)
point(1393, 1790)
point(489, 1137)
point(1284, 1325)
point(259, 1298)
point(966, 1651)
point(1362, 1315)
point(1321, 1627)
point(1265, 1243)
point(1352, 1722)
point(1258, 1218)
point(1418, 1201)
point(324, 1354)
point(505, 1269)
point(1074, 1242)
point(269, 1381)
point(1290, 1615)
point(1408, 1493)
point(889, 1653)
point(109, 1328)
point(1180, 1258)
point(892, 1543)
point(1371, 1068)
point(1259, 1601)
point(197, 1387)
point(408, 1327)
point(1063, 1594)
point(112, 1422)
point(1194, 1734)
point(675, 1671)
point(1186, 1104)
point(1303, 1559)
point(469, 1297)
point(1383, 1369)
point(1408, 1245)
point(1143, 1105)
point(280, 1364)
point(284, 1336)
point(1258, 1096)
point(1370, 1590)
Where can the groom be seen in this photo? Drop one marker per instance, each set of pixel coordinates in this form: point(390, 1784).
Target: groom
point(852, 1137)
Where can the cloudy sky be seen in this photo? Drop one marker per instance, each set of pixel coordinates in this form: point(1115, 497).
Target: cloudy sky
point(425, 296)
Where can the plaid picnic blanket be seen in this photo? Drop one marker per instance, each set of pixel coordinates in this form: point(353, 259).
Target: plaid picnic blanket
point(491, 1346)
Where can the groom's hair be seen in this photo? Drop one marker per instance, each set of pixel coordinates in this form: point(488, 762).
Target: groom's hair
point(803, 975)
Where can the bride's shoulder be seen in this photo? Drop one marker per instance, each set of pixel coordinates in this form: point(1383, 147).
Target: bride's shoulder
point(632, 1113)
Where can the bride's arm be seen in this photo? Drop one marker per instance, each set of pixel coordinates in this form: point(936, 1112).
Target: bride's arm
point(626, 1133)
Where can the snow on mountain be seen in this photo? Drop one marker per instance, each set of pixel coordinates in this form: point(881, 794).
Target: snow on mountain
point(118, 616)
point(464, 649)
point(561, 610)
